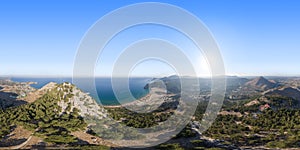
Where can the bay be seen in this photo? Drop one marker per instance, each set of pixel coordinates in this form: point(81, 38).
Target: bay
point(105, 94)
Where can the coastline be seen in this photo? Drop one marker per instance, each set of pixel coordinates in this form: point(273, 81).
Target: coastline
point(111, 106)
point(144, 98)
point(153, 99)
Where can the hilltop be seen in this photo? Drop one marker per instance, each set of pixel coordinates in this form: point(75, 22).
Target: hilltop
point(260, 83)
point(52, 118)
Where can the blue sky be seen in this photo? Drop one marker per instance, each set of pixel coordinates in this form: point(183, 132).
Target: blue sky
point(256, 37)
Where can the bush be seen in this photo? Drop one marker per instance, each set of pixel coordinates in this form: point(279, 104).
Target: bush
point(175, 146)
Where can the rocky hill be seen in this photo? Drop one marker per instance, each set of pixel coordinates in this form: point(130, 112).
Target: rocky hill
point(36, 94)
point(53, 117)
point(171, 83)
point(73, 98)
point(285, 92)
point(13, 93)
point(260, 83)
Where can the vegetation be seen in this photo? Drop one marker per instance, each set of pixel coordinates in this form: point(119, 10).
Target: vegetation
point(45, 118)
point(116, 131)
point(175, 146)
point(138, 120)
point(274, 128)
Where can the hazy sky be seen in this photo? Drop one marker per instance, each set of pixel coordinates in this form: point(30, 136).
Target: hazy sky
point(256, 37)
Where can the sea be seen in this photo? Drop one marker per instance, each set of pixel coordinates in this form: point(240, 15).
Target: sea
point(104, 92)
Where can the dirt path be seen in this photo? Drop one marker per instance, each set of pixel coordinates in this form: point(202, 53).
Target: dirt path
point(18, 146)
point(91, 139)
point(19, 133)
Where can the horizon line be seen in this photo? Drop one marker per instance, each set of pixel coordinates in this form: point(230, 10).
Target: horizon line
point(101, 76)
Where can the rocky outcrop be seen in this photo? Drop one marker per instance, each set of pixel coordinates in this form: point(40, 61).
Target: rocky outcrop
point(73, 99)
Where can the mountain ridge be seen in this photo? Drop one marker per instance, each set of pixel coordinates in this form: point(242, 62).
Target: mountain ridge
point(261, 83)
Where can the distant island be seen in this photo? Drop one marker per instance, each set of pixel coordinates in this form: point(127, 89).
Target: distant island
point(257, 113)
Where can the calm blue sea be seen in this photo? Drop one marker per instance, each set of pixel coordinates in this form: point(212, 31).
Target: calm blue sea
point(104, 95)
